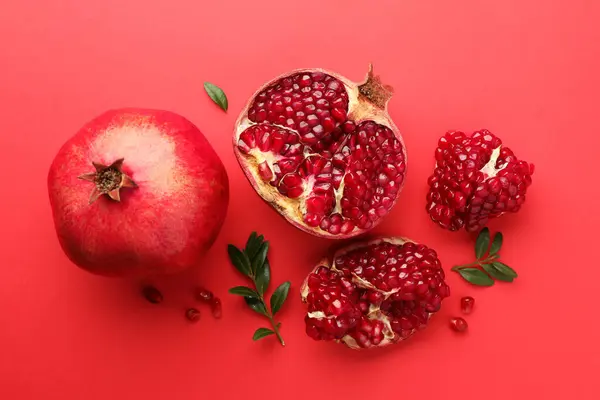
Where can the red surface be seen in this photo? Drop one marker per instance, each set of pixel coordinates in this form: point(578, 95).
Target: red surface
point(528, 71)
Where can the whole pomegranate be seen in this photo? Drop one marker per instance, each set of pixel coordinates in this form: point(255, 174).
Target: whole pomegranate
point(374, 293)
point(475, 179)
point(323, 151)
point(137, 192)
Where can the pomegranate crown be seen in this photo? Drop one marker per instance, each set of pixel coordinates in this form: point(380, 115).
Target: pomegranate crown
point(375, 91)
point(108, 180)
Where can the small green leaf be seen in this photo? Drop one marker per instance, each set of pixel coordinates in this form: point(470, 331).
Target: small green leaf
point(253, 244)
point(257, 305)
point(505, 269)
point(244, 291)
point(494, 273)
point(476, 276)
point(216, 94)
point(259, 258)
point(261, 333)
point(482, 243)
point(263, 277)
point(239, 259)
point(250, 242)
point(279, 296)
point(496, 243)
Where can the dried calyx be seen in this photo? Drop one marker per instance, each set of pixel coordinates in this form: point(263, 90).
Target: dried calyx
point(374, 293)
point(323, 151)
point(108, 180)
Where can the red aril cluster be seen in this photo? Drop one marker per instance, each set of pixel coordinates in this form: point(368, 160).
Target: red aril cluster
point(323, 151)
point(475, 179)
point(374, 293)
point(153, 295)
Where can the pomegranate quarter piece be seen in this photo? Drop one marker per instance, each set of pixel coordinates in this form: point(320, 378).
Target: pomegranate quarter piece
point(475, 179)
point(323, 151)
point(374, 293)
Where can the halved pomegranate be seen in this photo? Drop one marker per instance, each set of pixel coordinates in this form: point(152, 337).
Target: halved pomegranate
point(475, 179)
point(374, 293)
point(323, 151)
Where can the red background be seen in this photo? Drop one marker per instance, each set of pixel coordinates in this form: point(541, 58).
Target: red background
point(526, 70)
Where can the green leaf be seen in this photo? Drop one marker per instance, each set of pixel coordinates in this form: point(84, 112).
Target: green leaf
point(476, 276)
point(505, 269)
point(494, 273)
point(482, 243)
point(279, 296)
point(257, 305)
point(263, 277)
point(244, 291)
point(216, 94)
point(250, 240)
point(259, 258)
point(239, 260)
point(261, 333)
point(253, 244)
point(496, 243)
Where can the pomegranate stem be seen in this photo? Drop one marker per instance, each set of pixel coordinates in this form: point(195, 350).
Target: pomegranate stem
point(276, 329)
point(476, 263)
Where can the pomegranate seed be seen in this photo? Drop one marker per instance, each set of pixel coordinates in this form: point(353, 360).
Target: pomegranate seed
point(458, 324)
point(203, 294)
point(215, 307)
point(466, 304)
point(192, 315)
point(152, 294)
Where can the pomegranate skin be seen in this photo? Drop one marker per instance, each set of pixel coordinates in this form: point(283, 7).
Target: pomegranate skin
point(163, 225)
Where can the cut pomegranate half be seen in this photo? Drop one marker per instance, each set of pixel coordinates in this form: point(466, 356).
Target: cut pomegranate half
point(323, 151)
point(374, 293)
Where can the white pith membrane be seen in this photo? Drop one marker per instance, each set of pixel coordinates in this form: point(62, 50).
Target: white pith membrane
point(254, 161)
point(374, 311)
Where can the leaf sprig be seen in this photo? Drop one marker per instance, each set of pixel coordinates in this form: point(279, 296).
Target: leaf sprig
point(252, 262)
point(487, 267)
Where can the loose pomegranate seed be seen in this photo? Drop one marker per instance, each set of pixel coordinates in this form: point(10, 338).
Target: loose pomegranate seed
point(475, 179)
point(192, 314)
point(152, 294)
point(458, 324)
point(385, 280)
point(345, 175)
point(203, 294)
point(215, 307)
point(466, 304)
